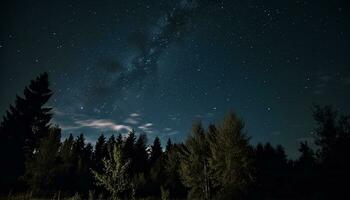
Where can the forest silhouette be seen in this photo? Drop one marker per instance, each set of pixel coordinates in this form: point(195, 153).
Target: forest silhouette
point(214, 162)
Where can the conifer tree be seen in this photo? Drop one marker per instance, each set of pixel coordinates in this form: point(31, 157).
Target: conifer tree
point(169, 145)
point(156, 151)
point(110, 145)
point(82, 154)
point(194, 168)
point(128, 145)
point(119, 139)
point(22, 127)
point(140, 155)
point(127, 151)
point(68, 156)
point(43, 169)
point(156, 167)
point(141, 166)
point(172, 172)
point(100, 152)
point(66, 151)
point(231, 159)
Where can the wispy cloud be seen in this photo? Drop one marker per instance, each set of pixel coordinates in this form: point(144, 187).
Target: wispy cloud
point(68, 127)
point(173, 133)
point(79, 122)
point(58, 112)
point(135, 115)
point(99, 124)
point(131, 121)
point(146, 126)
point(167, 129)
point(103, 124)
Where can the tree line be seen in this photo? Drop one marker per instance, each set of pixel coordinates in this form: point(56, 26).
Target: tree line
point(214, 162)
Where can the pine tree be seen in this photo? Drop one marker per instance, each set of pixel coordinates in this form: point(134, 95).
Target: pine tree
point(68, 156)
point(272, 171)
point(156, 167)
point(172, 182)
point(156, 151)
point(22, 127)
point(110, 145)
point(36, 96)
point(231, 159)
point(194, 168)
point(66, 151)
point(119, 139)
point(82, 154)
point(140, 155)
point(128, 145)
point(141, 166)
point(127, 151)
point(169, 145)
point(43, 169)
point(100, 152)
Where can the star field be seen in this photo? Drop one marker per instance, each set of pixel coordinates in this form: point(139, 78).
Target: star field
point(157, 66)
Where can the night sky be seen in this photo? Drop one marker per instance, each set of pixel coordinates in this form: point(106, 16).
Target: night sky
point(158, 65)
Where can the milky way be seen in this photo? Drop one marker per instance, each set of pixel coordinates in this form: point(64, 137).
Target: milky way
point(157, 66)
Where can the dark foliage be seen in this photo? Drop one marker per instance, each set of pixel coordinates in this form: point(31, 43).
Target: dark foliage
point(24, 125)
point(213, 163)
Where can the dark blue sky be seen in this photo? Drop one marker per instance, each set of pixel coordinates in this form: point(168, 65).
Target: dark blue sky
point(157, 66)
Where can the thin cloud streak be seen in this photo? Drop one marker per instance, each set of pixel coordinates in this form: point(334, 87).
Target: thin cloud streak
point(99, 124)
point(103, 124)
point(131, 121)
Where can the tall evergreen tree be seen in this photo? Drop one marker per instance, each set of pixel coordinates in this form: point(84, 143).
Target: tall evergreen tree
point(127, 152)
point(169, 145)
point(100, 152)
point(68, 172)
point(156, 151)
point(119, 139)
point(172, 182)
point(43, 169)
point(271, 167)
point(140, 155)
point(83, 159)
point(22, 127)
point(231, 159)
point(110, 144)
point(141, 166)
point(194, 168)
point(156, 167)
